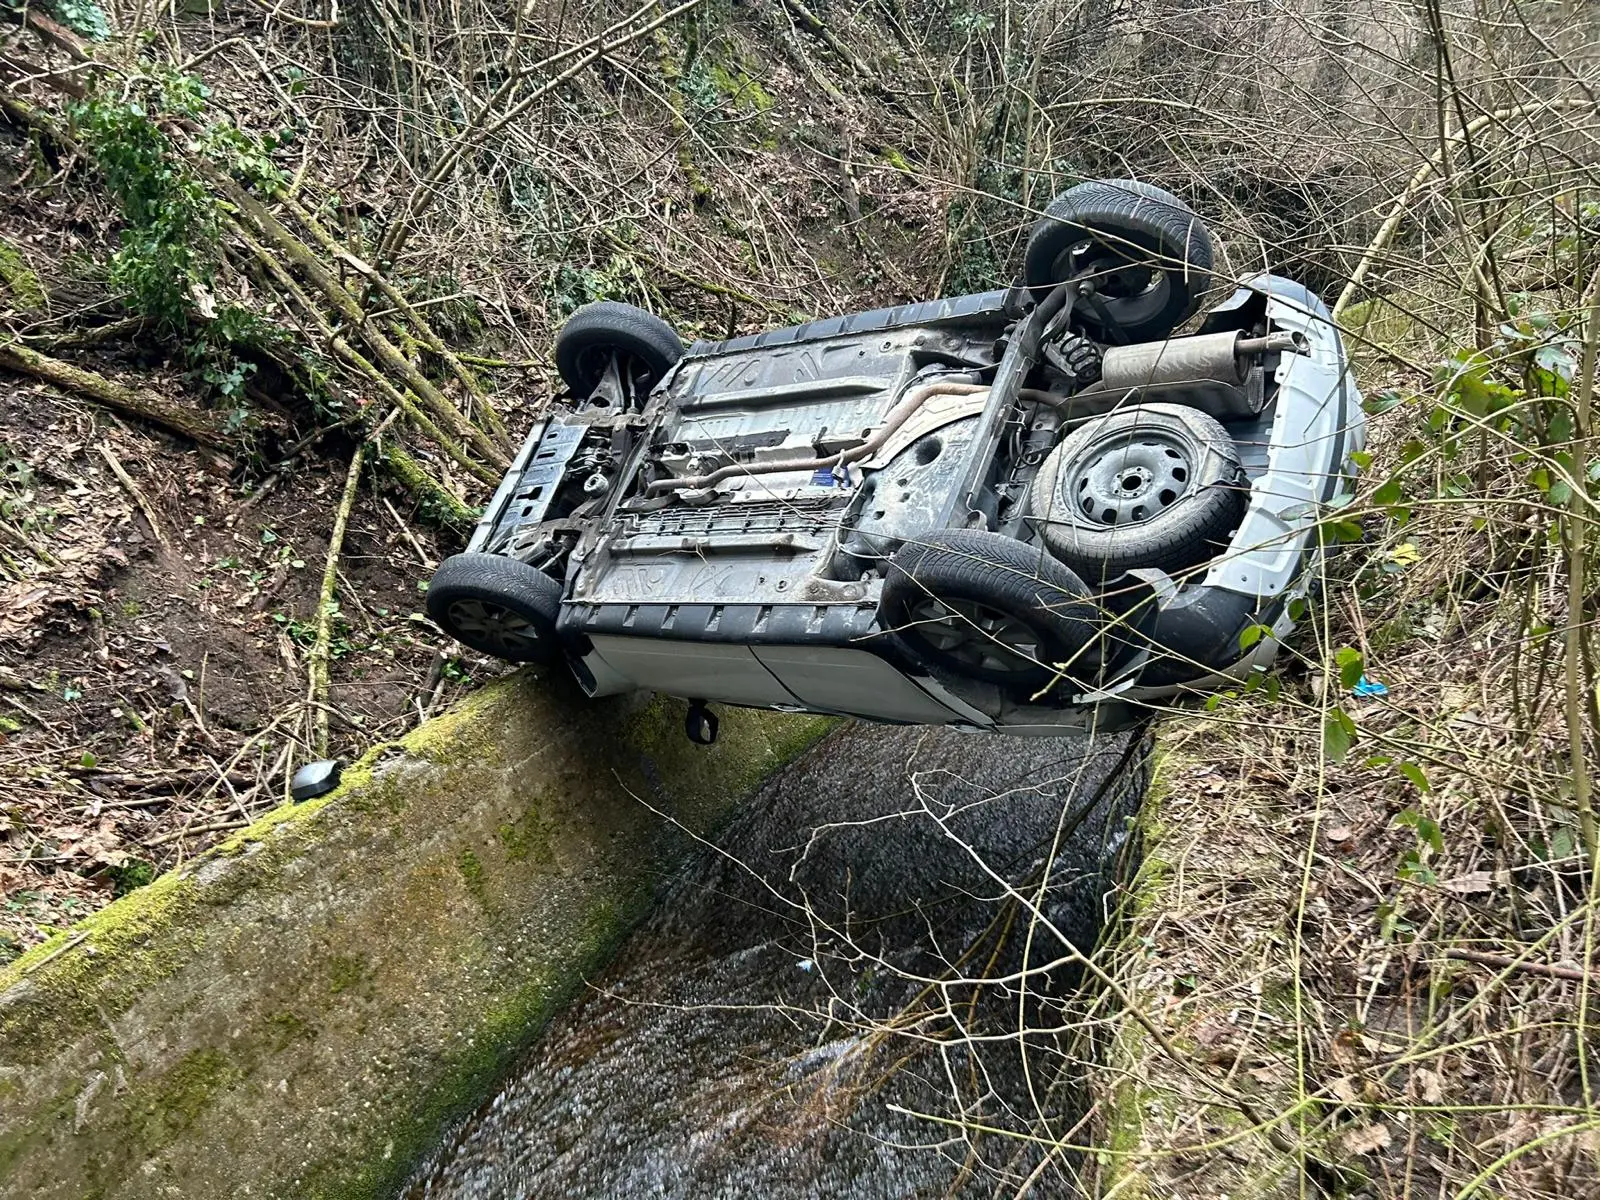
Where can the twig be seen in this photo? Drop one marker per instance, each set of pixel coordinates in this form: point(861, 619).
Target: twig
point(17, 536)
point(428, 189)
point(405, 531)
point(276, 13)
point(12, 682)
point(1502, 963)
point(191, 830)
point(1576, 686)
point(56, 953)
point(28, 712)
point(77, 339)
point(1402, 203)
point(140, 499)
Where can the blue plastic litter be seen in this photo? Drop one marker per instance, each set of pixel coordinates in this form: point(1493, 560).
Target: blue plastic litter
point(1369, 687)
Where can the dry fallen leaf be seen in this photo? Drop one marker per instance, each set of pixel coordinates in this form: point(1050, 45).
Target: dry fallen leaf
point(1367, 1139)
point(1428, 1088)
point(1472, 883)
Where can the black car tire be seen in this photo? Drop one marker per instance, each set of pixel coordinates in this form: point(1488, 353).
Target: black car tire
point(989, 607)
point(1155, 485)
point(497, 606)
point(1156, 257)
point(596, 331)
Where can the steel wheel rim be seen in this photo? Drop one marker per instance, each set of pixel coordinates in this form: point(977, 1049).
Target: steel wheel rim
point(491, 627)
point(1129, 479)
point(977, 636)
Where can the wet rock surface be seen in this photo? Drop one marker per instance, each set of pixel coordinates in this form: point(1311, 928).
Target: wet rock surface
point(739, 1045)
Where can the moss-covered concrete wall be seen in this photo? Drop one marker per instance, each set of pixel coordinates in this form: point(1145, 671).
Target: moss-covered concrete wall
point(298, 1013)
point(1208, 1108)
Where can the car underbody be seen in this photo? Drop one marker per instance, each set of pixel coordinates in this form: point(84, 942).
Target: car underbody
point(944, 512)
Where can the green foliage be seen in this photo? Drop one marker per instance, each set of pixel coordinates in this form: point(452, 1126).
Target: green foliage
point(83, 16)
point(19, 285)
point(708, 87)
point(1351, 666)
point(170, 248)
point(971, 21)
point(169, 244)
point(134, 873)
point(216, 354)
point(573, 287)
point(699, 89)
point(247, 158)
point(1338, 734)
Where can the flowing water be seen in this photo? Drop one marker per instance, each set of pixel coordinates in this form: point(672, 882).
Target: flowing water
point(736, 1047)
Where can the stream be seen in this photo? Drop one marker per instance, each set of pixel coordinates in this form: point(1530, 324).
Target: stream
point(770, 1031)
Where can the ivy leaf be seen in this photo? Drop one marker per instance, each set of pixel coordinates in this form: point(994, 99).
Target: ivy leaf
point(1338, 734)
point(1388, 494)
point(1351, 666)
point(1556, 361)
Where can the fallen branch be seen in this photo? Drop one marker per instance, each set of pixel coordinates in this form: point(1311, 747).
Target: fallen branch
point(98, 335)
point(814, 25)
point(139, 497)
point(191, 830)
point(192, 423)
point(411, 539)
point(430, 339)
point(359, 363)
point(1502, 963)
point(436, 502)
point(321, 648)
point(276, 235)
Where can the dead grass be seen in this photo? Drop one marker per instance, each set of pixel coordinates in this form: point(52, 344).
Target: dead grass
point(1373, 915)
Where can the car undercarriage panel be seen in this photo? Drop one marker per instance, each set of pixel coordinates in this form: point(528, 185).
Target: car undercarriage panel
point(735, 545)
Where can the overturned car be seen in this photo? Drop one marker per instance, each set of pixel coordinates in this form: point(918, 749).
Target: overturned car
point(1028, 510)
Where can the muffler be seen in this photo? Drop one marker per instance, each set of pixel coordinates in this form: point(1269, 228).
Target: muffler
point(1220, 357)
